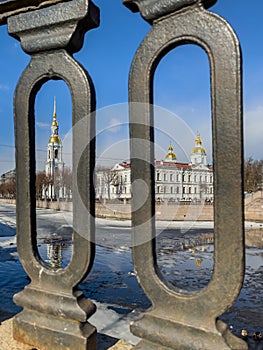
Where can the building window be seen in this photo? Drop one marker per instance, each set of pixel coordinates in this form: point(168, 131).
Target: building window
point(195, 178)
point(164, 177)
point(211, 179)
point(56, 153)
point(177, 189)
point(189, 178)
point(195, 190)
point(177, 177)
point(164, 189)
point(171, 189)
point(125, 178)
point(183, 190)
point(183, 178)
point(190, 190)
point(171, 177)
point(158, 178)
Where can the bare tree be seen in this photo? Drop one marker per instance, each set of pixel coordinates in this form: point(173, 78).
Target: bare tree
point(11, 188)
point(253, 174)
point(67, 182)
point(3, 190)
point(41, 183)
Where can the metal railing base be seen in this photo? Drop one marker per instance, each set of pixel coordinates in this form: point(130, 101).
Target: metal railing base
point(161, 334)
point(62, 334)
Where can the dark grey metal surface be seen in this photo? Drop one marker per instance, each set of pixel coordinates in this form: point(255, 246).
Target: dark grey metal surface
point(59, 26)
point(153, 9)
point(11, 7)
point(54, 312)
point(179, 319)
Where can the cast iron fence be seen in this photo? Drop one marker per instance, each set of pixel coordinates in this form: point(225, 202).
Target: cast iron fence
point(55, 313)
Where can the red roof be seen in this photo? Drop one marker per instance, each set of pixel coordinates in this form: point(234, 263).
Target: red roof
point(167, 164)
point(125, 165)
point(173, 164)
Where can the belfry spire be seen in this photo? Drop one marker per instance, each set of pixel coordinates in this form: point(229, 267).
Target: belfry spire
point(54, 163)
point(55, 108)
point(54, 138)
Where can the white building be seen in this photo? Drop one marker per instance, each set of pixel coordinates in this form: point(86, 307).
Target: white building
point(174, 181)
point(54, 164)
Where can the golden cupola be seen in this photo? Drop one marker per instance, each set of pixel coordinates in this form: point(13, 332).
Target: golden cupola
point(170, 156)
point(198, 154)
point(54, 138)
point(198, 146)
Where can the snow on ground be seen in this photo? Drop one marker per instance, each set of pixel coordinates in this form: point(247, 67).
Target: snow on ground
point(110, 323)
point(115, 234)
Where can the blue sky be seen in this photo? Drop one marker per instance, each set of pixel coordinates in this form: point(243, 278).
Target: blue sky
point(181, 85)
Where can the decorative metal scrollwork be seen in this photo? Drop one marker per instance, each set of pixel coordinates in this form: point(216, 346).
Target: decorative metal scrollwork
point(177, 319)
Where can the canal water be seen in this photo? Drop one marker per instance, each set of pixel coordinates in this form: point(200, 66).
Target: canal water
point(112, 280)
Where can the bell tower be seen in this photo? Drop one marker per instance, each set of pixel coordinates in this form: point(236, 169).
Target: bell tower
point(198, 154)
point(54, 163)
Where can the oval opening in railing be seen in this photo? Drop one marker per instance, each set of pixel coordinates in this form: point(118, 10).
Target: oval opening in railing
point(183, 168)
point(53, 174)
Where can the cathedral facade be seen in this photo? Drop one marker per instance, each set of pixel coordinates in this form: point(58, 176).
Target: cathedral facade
point(175, 182)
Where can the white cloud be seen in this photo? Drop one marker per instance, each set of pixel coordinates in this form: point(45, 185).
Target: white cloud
point(114, 125)
point(42, 125)
point(4, 87)
point(253, 132)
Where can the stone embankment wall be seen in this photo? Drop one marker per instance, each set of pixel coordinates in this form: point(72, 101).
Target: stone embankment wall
point(179, 212)
point(254, 238)
point(254, 207)
point(163, 212)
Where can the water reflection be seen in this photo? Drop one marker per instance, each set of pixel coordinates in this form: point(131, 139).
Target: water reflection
point(56, 251)
point(54, 254)
point(186, 260)
point(113, 282)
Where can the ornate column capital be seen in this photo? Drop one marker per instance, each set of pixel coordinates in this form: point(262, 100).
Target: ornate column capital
point(58, 26)
point(12, 7)
point(153, 9)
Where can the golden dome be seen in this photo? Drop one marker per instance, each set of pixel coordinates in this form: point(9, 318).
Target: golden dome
point(170, 155)
point(198, 140)
point(198, 148)
point(54, 122)
point(54, 139)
